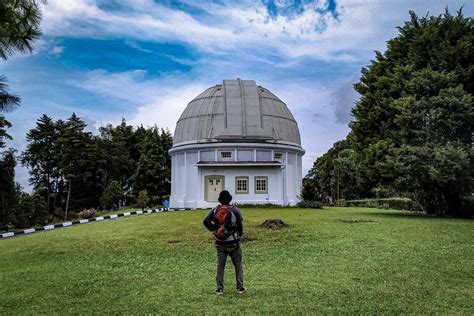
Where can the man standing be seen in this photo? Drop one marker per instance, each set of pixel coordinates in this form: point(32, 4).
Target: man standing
point(225, 221)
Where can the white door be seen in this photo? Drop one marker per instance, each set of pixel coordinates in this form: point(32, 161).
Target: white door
point(214, 186)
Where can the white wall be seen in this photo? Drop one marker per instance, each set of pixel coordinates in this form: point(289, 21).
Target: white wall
point(275, 185)
point(187, 179)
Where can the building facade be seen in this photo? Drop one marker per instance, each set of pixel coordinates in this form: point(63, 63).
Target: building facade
point(239, 137)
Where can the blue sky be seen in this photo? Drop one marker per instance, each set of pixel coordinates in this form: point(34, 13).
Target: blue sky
point(145, 60)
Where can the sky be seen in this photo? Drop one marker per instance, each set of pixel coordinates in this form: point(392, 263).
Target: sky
point(144, 60)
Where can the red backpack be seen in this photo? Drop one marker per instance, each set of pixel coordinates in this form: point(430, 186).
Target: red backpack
point(225, 221)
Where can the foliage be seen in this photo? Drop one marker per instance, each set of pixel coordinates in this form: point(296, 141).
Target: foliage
point(112, 196)
point(385, 203)
point(413, 127)
point(153, 172)
point(19, 26)
point(333, 261)
point(333, 176)
point(8, 189)
point(252, 205)
point(309, 204)
point(88, 213)
point(8, 101)
point(30, 211)
point(414, 122)
point(143, 200)
point(79, 170)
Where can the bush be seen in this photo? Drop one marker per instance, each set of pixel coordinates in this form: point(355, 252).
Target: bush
point(251, 205)
point(86, 214)
point(309, 204)
point(143, 200)
point(112, 196)
point(396, 203)
point(468, 206)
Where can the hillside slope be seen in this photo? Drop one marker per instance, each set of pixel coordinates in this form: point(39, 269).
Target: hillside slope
point(332, 260)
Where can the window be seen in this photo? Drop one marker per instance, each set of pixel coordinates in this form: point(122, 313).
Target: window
point(241, 185)
point(278, 156)
point(261, 185)
point(226, 155)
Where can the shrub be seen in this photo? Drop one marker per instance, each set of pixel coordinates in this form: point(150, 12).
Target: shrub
point(309, 204)
point(143, 200)
point(396, 203)
point(112, 196)
point(468, 206)
point(86, 214)
point(251, 205)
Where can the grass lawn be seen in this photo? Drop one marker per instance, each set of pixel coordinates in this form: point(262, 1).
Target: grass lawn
point(335, 260)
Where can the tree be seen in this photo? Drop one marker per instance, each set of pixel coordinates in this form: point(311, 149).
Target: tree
point(42, 157)
point(77, 167)
point(414, 123)
point(8, 189)
point(153, 172)
point(143, 199)
point(112, 196)
point(7, 101)
point(4, 124)
point(333, 176)
point(19, 27)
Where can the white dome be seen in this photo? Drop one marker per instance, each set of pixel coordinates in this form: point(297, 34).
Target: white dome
point(236, 110)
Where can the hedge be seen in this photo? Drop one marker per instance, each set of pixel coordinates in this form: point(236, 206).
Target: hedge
point(395, 203)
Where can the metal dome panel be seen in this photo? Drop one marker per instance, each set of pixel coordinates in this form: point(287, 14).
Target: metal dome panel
point(236, 110)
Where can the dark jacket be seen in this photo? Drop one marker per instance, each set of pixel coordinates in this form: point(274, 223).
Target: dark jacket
point(211, 225)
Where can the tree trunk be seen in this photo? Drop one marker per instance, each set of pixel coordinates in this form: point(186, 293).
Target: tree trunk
point(67, 200)
point(49, 196)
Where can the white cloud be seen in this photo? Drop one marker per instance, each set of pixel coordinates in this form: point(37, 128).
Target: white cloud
point(229, 27)
point(157, 101)
point(57, 50)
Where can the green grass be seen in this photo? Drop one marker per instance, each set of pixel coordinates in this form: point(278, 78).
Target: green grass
point(335, 260)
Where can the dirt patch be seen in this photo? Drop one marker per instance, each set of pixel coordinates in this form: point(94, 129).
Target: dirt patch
point(273, 223)
point(247, 238)
point(358, 221)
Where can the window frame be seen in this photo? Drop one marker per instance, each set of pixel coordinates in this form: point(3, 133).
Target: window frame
point(255, 184)
point(236, 186)
point(278, 159)
point(222, 158)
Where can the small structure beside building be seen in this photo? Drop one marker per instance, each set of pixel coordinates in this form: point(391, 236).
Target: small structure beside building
point(239, 137)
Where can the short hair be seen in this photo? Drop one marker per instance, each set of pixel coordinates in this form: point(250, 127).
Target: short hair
point(225, 197)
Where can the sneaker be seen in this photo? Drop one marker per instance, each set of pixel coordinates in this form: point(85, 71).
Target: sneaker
point(241, 290)
point(219, 291)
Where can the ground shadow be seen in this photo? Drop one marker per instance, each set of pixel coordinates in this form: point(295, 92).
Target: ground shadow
point(411, 215)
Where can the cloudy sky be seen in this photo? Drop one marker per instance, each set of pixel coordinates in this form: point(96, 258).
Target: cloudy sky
point(144, 60)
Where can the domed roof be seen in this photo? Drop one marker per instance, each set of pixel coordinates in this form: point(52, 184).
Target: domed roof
point(236, 110)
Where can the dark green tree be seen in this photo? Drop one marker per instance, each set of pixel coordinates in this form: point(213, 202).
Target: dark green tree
point(112, 196)
point(153, 172)
point(4, 124)
point(42, 157)
point(8, 190)
point(143, 200)
point(116, 148)
point(333, 176)
point(19, 28)
point(414, 123)
point(77, 166)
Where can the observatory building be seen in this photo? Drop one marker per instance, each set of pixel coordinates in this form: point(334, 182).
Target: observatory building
point(239, 137)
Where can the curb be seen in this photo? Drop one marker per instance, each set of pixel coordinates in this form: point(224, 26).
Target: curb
point(81, 221)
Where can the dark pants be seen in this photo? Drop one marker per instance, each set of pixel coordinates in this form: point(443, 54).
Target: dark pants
point(235, 253)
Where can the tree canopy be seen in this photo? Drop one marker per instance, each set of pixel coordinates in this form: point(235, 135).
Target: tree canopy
point(413, 127)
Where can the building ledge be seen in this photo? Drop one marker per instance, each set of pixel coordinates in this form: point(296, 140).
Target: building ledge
point(239, 163)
